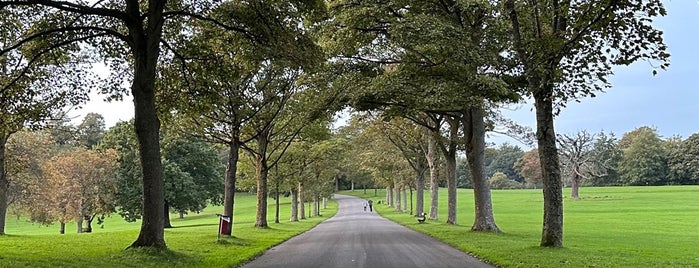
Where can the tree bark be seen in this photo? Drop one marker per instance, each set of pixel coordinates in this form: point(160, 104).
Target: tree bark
point(88, 223)
point(166, 215)
point(261, 215)
point(62, 229)
point(302, 205)
point(474, 126)
point(405, 198)
point(352, 183)
point(294, 205)
point(434, 177)
point(316, 206)
point(398, 201)
point(145, 47)
point(575, 185)
point(420, 192)
point(276, 202)
point(325, 203)
point(229, 192)
point(4, 182)
point(79, 225)
point(450, 157)
point(389, 192)
point(552, 233)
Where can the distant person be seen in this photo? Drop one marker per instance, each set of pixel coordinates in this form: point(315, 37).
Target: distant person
point(364, 206)
point(371, 207)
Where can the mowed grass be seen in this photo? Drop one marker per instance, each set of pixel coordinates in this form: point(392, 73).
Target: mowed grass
point(606, 227)
point(192, 243)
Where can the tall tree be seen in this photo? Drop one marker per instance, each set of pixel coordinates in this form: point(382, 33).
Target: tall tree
point(35, 83)
point(684, 161)
point(644, 158)
point(82, 186)
point(566, 49)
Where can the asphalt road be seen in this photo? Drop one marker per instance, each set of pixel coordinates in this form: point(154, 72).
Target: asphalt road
point(355, 238)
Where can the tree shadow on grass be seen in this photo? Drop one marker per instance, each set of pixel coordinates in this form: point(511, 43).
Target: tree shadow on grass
point(147, 257)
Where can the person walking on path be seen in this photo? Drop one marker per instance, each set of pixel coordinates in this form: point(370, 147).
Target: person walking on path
point(371, 207)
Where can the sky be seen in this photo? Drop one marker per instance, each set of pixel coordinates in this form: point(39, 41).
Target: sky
point(668, 101)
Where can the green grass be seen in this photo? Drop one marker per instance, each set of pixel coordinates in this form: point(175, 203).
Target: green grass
point(192, 243)
point(606, 227)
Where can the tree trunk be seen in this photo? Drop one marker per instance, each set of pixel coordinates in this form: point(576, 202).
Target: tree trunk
point(325, 203)
point(420, 192)
point(88, 223)
point(450, 157)
point(316, 206)
point(145, 46)
point(405, 198)
point(398, 201)
point(181, 216)
point(302, 205)
point(475, 154)
point(352, 183)
point(294, 205)
point(229, 192)
point(79, 225)
point(276, 202)
point(389, 192)
point(434, 177)
point(552, 233)
point(261, 215)
point(4, 182)
point(575, 186)
point(411, 201)
point(337, 183)
point(166, 216)
point(62, 229)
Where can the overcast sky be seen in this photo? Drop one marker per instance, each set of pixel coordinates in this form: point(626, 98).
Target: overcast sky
point(668, 101)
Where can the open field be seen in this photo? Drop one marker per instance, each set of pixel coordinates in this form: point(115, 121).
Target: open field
point(192, 243)
point(607, 227)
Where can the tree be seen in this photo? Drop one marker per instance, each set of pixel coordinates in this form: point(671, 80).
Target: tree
point(193, 173)
point(579, 159)
point(82, 186)
point(530, 168)
point(683, 161)
point(34, 86)
point(565, 51)
point(91, 130)
point(644, 158)
point(502, 159)
point(27, 151)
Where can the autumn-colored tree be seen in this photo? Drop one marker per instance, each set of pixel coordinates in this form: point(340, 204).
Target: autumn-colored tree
point(82, 185)
point(530, 168)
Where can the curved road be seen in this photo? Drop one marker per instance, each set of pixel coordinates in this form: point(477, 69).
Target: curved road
point(355, 238)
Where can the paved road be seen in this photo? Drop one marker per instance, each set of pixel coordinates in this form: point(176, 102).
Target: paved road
point(355, 238)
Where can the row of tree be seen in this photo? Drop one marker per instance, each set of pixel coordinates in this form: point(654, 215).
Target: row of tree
point(253, 74)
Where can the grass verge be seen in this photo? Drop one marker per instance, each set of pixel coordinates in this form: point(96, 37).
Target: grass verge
point(606, 227)
point(191, 243)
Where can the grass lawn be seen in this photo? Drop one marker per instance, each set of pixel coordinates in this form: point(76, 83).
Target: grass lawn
point(606, 227)
point(192, 243)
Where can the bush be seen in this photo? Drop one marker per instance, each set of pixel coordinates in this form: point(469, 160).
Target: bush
point(500, 181)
